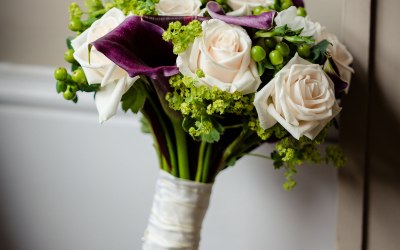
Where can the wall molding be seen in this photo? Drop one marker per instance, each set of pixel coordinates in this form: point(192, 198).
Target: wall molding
point(33, 87)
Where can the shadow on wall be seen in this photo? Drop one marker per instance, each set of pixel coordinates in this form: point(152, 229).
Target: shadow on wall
point(7, 242)
point(384, 138)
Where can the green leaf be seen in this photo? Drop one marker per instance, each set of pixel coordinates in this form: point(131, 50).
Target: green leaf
point(278, 31)
point(145, 125)
point(318, 52)
point(188, 123)
point(134, 98)
point(68, 41)
point(278, 163)
point(211, 137)
point(299, 39)
point(89, 87)
point(74, 66)
point(268, 65)
point(290, 32)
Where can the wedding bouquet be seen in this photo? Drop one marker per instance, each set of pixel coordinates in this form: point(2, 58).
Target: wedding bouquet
point(213, 81)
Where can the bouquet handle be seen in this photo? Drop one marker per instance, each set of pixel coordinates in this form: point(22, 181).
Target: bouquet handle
point(177, 213)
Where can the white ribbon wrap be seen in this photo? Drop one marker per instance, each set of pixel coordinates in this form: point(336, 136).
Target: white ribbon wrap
point(179, 207)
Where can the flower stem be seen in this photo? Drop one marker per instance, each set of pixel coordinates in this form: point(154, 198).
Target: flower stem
point(206, 168)
point(170, 147)
point(200, 161)
point(181, 151)
point(257, 155)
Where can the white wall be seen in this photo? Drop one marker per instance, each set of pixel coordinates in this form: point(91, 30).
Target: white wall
point(68, 183)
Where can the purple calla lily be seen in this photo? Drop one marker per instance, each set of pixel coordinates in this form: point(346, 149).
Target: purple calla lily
point(298, 3)
point(332, 71)
point(137, 46)
point(262, 22)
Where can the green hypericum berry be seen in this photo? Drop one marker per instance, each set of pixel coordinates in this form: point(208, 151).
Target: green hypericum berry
point(304, 50)
point(283, 48)
point(259, 10)
point(60, 74)
point(75, 24)
point(275, 57)
point(61, 86)
point(69, 94)
point(286, 4)
point(74, 88)
point(301, 12)
point(270, 42)
point(258, 53)
point(78, 76)
point(69, 56)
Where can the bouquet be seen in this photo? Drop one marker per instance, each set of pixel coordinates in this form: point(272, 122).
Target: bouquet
point(212, 81)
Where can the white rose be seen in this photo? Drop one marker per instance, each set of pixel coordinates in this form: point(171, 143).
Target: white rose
point(340, 55)
point(300, 97)
point(178, 7)
point(114, 80)
point(290, 18)
point(244, 8)
point(223, 53)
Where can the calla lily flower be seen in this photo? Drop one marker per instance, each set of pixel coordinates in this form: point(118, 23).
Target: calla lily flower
point(263, 21)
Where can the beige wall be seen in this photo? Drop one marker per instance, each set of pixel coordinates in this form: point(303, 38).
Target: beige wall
point(33, 32)
point(384, 133)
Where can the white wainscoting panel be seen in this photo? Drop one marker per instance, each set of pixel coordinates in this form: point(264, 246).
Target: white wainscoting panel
point(69, 183)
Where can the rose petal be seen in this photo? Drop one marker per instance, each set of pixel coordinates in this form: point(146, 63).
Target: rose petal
point(178, 7)
point(108, 97)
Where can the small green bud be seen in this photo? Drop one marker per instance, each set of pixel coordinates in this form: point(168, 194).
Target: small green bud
point(259, 10)
point(74, 88)
point(270, 42)
point(275, 57)
point(283, 48)
point(301, 12)
point(78, 76)
point(304, 50)
point(60, 74)
point(75, 24)
point(286, 4)
point(61, 86)
point(68, 94)
point(200, 73)
point(69, 56)
point(258, 53)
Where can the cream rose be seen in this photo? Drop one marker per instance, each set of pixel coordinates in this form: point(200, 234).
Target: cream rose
point(290, 18)
point(243, 8)
point(300, 97)
point(340, 55)
point(114, 80)
point(223, 53)
point(178, 7)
